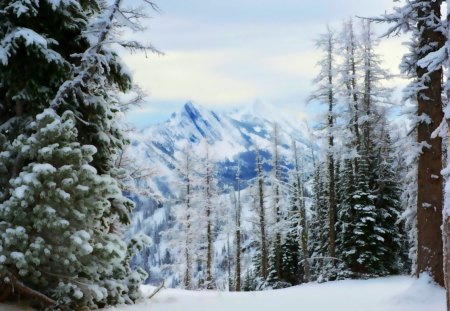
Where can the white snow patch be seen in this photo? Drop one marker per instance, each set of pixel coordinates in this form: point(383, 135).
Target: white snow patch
point(399, 293)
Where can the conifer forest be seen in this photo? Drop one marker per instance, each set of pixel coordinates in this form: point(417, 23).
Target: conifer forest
point(164, 155)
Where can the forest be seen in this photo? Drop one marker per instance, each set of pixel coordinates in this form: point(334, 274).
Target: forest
point(94, 211)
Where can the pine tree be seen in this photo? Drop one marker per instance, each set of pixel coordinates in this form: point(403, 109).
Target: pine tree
point(209, 189)
point(326, 93)
point(290, 248)
point(263, 260)
point(65, 244)
point(182, 239)
point(299, 194)
point(347, 215)
point(388, 208)
point(424, 65)
point(319, 226)
point(362, 242)
point(276, 180)
point(69, 82)
point(349, 81)
point(238, 209)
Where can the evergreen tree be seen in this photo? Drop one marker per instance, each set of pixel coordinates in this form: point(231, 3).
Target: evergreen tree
point(362, 243)
point(349, 74)
point(325, 93)
point(424, 64)
point(389, 209)
point(209, 195)
point(69, 82)
point(290, 248)
point(238, 209)
point(263, 262)
point(54, 233)
point(319, 226)
point(347, 215)
point(298, 190)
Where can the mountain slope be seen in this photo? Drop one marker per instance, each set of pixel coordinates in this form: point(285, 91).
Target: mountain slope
point(231, 137)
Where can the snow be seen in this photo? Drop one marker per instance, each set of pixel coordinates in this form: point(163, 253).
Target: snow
point(399, 293)
point(44, 168)
point(19, 192)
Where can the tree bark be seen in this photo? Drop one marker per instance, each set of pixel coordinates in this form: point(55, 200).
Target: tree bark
point(22, 289)
point(446, 238)
point(430, 181)
point(446, 211)
point(262, 217)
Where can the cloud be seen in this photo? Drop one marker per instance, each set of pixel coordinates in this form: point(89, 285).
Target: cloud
point(228, 53)
point(194, 75)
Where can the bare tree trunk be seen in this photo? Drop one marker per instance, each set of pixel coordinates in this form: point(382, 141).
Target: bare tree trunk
point(230, 283)
point(430, 183)
point(209, 252)
point(354, 95)
point(209, 259)
point(262, 216)
point(238, 234)
point(187, 274)
point(277, 179)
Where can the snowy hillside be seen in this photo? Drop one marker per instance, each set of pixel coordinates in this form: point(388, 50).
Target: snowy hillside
point(383, 294)
point(231, 137)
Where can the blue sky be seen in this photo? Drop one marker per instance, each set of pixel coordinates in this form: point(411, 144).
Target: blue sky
point(225, 54)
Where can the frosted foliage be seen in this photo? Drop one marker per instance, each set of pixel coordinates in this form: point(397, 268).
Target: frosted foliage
point(10, 43)
point(54, 231)
point(23, 7)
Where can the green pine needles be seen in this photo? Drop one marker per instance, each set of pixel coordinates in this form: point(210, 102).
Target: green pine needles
point(62, 212)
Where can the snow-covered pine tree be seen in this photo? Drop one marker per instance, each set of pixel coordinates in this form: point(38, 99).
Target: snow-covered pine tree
point(276, 255)
point(54, 233)
point(424, 65)
point(339, 202)
point(319, 242)
point(263, 259)
point(290, 248)
point(362, 243)
point(298, 190)
point(238, 211)
point(209, 201)
point(375, 98)
point(347, 216)
point(350, 87)
point(388, 206)
point(183, 239)
point(325, 93)
point(70, 79)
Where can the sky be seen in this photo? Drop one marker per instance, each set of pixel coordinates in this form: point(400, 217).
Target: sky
point(223, 54)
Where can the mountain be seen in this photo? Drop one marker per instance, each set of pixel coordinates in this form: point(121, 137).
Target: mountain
point(231, 137)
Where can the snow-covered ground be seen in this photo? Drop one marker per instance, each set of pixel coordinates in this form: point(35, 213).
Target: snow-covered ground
point(398, 293)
